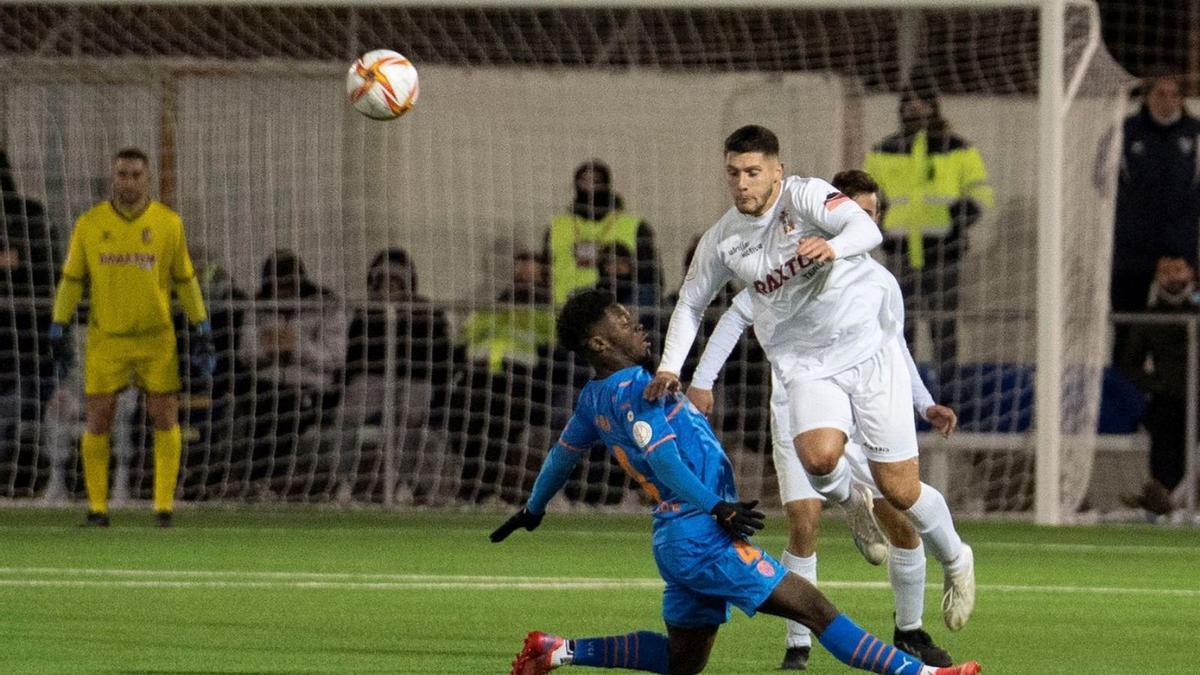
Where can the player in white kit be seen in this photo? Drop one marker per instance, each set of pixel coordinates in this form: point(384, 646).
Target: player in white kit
point(802, 503)
point(823, 317)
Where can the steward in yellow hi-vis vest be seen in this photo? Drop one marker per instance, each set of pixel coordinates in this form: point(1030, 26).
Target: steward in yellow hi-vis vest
point(597, 219)
point(934, 186)
point(132, 252)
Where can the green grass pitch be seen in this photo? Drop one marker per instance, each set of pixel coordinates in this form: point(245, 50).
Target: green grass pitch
point(301, 590)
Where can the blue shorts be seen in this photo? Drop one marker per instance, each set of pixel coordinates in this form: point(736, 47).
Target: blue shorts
point(706, 576)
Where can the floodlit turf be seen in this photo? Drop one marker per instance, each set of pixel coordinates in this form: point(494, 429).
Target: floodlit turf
point(318, 591)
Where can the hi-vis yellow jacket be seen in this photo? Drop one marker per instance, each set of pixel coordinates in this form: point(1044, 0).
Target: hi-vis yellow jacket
point(575, 244)
point(921, 177)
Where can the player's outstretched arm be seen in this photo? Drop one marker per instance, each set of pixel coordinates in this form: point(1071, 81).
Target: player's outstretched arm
point(705, 277)
point(720, 345)
point(943, 418)
point(738, 518)
point(551, 478)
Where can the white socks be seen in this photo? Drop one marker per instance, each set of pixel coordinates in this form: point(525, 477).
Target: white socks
point(798, 635)
point(906, 571)
point(835, 485)
point(930, 515)
point(563, 655)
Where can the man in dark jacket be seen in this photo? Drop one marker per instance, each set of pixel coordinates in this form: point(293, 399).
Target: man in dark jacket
point(27, 267)
point(1158, 196)
point(421, 378)
point(1155, 358)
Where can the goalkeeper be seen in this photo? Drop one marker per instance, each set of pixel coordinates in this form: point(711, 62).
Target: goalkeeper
point(132, 251)
point(701, 530)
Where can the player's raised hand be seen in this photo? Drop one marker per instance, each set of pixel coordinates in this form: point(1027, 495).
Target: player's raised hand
point(739, 518)
point(701, 398)
point(815, 248)
point(942, 418)
point(664, 382)
point(522, 518)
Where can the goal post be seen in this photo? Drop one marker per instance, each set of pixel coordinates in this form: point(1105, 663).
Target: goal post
point(240, 108)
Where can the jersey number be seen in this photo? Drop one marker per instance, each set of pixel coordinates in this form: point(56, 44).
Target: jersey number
point(648, 487)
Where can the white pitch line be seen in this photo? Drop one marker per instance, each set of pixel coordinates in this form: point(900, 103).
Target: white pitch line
point(387, 582)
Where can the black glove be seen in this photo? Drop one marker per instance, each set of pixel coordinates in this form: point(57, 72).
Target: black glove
point(201, 352)
point(523, 518)
point(61, 351)
point(739, 518)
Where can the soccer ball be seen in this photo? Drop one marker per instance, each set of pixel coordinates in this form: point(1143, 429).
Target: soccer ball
point(382, 84)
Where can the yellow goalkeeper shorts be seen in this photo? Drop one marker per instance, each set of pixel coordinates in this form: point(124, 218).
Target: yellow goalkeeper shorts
point(114, 362)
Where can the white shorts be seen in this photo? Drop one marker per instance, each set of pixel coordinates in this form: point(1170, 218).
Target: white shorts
point(794, 484)
point(870, 402)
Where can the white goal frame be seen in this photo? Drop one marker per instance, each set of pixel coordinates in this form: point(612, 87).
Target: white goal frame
point(1055, 93)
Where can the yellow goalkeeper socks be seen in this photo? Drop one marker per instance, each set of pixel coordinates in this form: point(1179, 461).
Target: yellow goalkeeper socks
point(95, 452)
point(167, 448)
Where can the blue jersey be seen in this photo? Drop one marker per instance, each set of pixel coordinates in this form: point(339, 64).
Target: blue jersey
point(666, 446)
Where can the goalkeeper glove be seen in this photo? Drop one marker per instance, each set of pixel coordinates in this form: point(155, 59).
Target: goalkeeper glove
point(739, 518)
point(202, 353)
point(523, 518)
point(61, 352)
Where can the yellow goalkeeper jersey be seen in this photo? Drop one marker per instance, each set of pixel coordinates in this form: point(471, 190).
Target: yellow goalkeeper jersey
point(132, 264)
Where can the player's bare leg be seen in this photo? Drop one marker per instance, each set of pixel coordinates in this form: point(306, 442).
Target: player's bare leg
point(796, 599)
point(95, 450)
point(800, 557)
point(901, 485)
point(906, 572)
point(690, 647)
point(822, 452)
point(168, 444)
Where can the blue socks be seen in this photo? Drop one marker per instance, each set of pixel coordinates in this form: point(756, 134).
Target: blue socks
point(857, 648)
point(642, 650)
point(843, 638)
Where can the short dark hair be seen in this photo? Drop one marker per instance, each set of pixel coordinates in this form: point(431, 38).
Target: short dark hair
point(132, 153)
point(752, 138)
point(854, 182)
point(582, 311)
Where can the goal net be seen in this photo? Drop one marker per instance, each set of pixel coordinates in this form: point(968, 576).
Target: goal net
point(384, 292)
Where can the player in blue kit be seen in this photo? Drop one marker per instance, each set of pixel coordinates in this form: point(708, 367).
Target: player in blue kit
point(701, 530)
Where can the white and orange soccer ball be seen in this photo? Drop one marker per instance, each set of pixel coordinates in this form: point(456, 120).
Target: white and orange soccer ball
point(382, 84)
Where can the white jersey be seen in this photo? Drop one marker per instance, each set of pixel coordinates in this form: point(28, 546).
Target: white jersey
point(740, 316)
point(812, 319)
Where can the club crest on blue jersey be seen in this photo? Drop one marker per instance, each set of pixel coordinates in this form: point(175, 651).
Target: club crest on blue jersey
point(642, 433)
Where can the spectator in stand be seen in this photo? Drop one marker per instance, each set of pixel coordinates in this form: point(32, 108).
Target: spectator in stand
point(421, 378)
point(934, 187)
point(617, 266)
point(209, 411)
point(597, 218)
point(296, 341)
point(504, 391)
point(1155, 357)
point(1158, 194)
point(27, 269)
